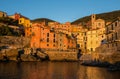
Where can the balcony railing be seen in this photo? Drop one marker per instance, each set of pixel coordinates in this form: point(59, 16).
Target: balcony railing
point(117, 40)
point(111, 31)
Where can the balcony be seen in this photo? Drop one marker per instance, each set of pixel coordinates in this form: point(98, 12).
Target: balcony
point(117, 40)
point(112, 31)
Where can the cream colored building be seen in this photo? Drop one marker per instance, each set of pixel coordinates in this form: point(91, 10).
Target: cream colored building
point(89, 40)
point(11, 16)
point(113, 35)
point(64, 28)
point(97, 23)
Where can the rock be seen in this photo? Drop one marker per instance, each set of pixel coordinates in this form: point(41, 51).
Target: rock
point(13, 58)
point(41, 55)
point(14, 42)
point(11, 53)
point(1, 56)
point(25, 57)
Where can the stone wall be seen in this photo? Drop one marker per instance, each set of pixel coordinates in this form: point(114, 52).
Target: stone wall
point(62, 55)
point(14, 42)
point(105, 54)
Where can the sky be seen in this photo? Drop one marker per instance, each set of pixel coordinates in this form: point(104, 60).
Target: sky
point(58, 10)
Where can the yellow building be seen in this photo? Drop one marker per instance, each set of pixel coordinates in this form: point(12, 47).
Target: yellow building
point(76, 29)
point(24, 21)
point(64, 28)
point(27, 25)
point(95, 38)
point(89, 40)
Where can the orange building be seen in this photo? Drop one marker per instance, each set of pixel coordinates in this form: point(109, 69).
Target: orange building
point(42, 37)
point(64, 28)
point(47, 38)
point(72, 43)
point(35, 41)
point(62, 41)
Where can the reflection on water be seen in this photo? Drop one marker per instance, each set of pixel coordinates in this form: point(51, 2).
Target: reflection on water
point(53, 70)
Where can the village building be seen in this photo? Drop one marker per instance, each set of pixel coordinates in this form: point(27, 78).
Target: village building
point(23, 21)
point(90, 39)
point(113, 35)
point(64, 28)
point(3, 14)
point(46, 38)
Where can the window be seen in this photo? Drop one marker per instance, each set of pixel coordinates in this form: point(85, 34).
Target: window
point(85, 47)
point(86, 38)
point(102, 36)
point(47, 39)
point(115, 23)
point(60, 45)
point(81, 34)
point(20, 21)
point(107, 38)
point(54, 35)
point(112, 27)
point(99, 24)
point(85, 33)
point(47, 44)
point(91, 49)
point(116, 44)
point(116, 35)
point(112, 37)
point(53, 45)
point(54, 40)
point(3, 15)
point(47, 34)
point(107, 29)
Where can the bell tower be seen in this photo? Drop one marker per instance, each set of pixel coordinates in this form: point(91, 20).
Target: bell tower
point(93, 18)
